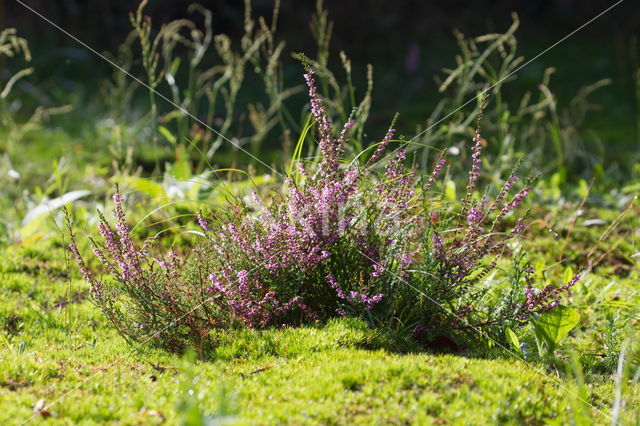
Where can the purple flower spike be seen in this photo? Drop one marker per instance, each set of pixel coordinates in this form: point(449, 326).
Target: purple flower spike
point(476, 160)
point(203, 223)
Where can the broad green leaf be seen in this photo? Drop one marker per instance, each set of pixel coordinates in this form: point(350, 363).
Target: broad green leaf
point(30, 230)
point(145, 186)
point(181, 167)
point(182, 170)
point(555, 324)
point(450, 190)
point(513, 340)
point(568, 275)
point(583, 188)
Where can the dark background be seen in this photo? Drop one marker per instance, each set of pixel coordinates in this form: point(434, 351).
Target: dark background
point(382, 33)
point(361, 26)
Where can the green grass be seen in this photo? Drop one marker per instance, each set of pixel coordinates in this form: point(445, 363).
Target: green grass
point(56, 345)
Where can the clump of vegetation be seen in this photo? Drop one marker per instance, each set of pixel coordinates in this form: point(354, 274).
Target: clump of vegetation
point(339, 239)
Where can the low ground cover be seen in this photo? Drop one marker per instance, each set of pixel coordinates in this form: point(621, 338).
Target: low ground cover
point(56, 344)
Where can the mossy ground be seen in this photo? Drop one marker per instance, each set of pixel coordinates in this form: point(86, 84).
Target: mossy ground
point(57, 346)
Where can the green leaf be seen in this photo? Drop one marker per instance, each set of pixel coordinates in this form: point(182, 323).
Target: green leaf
point(555, 324)
point(181, 170)
point(48, 206)
point(513, 340)
point(598, 172)
point(568, 275)
point(635, 187)
point(450, 190)
point(297, 152)
point(175, 65)
point(538, 268)
point(182, 166)
point(145, 186)
point(5, 341)
point(167, 135)
point(583, 189)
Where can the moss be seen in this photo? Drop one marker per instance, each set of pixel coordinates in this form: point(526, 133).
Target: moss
point(56, 345)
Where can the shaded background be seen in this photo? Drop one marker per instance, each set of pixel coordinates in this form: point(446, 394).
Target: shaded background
point(407, 42)
point(360, 26)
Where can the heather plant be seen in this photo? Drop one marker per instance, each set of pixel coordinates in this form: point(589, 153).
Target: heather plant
point(340, 239)
point(460, 252)
point(145, 291)
point(324, 242)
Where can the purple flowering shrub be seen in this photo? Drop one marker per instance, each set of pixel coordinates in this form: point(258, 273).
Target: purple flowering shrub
point(321, 248)
point(460, 250)
point(339, 239)
point(144, 292)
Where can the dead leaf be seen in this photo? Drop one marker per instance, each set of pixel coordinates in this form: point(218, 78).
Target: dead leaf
point(39, 408)
point(152, 413)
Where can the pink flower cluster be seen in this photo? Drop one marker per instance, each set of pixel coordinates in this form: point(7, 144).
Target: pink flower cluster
point(338, 239)
point(538, 301)
point(298, 234)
